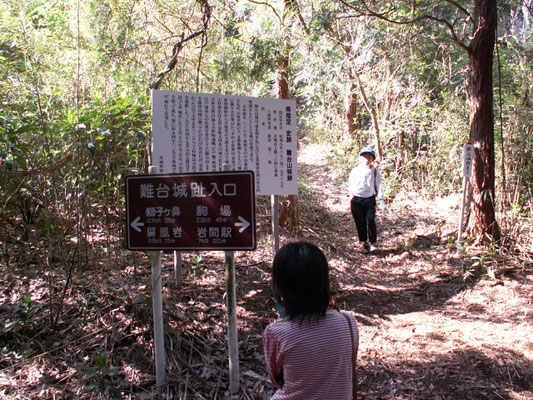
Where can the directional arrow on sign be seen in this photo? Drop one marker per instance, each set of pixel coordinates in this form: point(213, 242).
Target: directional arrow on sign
point(136, 224)
point(186, 231)
point(243, 224)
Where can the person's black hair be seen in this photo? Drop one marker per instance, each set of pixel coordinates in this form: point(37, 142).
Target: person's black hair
point(301, 279)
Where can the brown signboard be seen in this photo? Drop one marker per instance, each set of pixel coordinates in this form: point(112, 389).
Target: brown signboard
point(193, 211)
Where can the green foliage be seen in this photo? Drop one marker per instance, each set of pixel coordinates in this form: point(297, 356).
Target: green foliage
point(25, 314)
point(514, 128)
point(196, 266)
point(76, 87)
point(481, 263)
point(100, 378)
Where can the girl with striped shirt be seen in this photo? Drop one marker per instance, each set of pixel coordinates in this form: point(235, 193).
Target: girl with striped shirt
point(308, 350)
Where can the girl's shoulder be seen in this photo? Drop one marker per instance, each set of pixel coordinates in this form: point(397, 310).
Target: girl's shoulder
point(279, 323)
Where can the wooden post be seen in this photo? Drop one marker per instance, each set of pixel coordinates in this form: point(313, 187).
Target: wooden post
point(467, 159)
point(274, 202)
point(157, 306)
point(231, 305)
point(461, 218)
point(178, 277)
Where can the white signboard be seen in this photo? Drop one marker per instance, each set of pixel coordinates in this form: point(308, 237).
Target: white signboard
point(198, 132)
point(468, 157)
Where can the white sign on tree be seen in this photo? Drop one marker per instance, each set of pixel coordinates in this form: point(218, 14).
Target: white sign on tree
point(468, 157)
point(198, 132)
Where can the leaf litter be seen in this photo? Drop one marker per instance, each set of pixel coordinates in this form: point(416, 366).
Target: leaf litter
point(431, 327)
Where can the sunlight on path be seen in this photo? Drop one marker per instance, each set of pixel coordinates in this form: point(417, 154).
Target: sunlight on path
point(313, 158)
point(419, 321)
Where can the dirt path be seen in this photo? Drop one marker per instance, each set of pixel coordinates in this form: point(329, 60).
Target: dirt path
point(426, 333)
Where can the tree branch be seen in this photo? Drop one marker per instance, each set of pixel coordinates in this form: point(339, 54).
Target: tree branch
point(371, 13)
point(178, 46)
point(462, 9)
point(295, 7)
point(262, 3)
point(45, 170)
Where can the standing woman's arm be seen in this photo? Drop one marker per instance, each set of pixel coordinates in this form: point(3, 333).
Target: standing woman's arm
point(379, 188)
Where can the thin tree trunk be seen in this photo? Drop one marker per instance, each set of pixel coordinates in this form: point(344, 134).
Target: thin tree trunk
point(351, 110)
point(373, 116)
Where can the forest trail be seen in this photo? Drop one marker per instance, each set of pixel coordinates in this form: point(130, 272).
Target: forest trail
point(433, 325)
point(426, 331)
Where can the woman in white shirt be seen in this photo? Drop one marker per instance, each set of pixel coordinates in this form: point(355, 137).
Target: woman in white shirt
point(365, 185)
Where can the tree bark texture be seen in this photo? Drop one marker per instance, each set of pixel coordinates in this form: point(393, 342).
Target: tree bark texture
point(481, 58)
point(373, 115)
point(351, 110)
point(288, 213)
point(281, 77)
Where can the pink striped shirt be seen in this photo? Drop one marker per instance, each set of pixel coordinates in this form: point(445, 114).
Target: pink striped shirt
point(314, 357)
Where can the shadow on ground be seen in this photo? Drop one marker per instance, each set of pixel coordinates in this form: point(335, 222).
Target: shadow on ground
point(462, 374)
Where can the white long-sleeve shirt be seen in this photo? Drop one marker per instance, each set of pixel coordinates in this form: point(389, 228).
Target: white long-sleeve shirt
point(364, 181)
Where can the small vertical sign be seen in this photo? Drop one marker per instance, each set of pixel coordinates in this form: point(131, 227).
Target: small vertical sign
point(468, 157)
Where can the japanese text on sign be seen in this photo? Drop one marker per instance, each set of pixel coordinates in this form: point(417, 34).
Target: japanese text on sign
point(468, 157)
point(191, 211)
point(196, 132)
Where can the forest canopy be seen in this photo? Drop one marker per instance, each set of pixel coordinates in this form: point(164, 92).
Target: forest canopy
point(75, 100)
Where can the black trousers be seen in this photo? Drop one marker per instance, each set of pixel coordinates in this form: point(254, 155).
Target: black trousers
point(364, 215)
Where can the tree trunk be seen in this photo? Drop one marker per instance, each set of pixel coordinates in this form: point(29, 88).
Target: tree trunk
point(482, 122)
point(288, 213)
point(373, 115)
point(281, 77)
point(351, 110)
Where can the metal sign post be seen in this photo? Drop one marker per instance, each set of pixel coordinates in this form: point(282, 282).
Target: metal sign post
point(274, 203)
point(178, 274)
point(197, 133)
point(233, 341)
point(196, 211)
point(468, 156)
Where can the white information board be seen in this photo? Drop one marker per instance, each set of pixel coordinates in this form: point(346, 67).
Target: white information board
point(198, 132)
